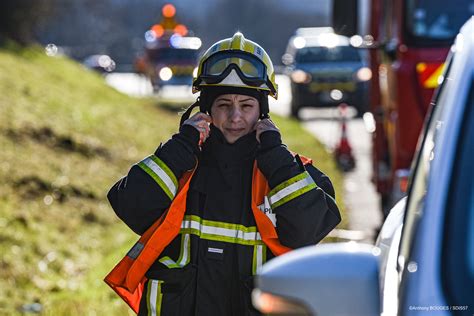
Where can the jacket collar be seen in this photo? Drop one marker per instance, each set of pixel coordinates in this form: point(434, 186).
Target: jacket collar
point(216, 148)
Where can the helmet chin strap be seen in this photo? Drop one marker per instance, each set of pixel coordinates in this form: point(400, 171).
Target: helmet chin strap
point(264, 108)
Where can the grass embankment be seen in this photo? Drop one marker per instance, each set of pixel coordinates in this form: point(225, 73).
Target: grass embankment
point(65, 138)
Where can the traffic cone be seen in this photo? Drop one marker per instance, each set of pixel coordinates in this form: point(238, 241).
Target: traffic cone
point(343, 151)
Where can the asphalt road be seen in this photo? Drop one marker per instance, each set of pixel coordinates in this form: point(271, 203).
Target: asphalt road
point(361, 200)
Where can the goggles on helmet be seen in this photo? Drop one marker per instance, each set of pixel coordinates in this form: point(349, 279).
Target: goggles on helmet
point(251, 70)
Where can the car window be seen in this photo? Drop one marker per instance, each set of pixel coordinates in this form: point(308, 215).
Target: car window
point(458, 244)
point(387, 20)
point(327, 54)
point(419, 178)
point(433, 19)
point(173, 54)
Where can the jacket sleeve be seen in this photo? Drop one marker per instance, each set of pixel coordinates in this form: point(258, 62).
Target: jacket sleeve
point(301, 197)
point(142, 196)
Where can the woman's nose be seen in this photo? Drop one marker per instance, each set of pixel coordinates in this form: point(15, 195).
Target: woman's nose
point(235, 114)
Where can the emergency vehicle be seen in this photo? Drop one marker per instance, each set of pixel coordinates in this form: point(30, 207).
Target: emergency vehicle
point(170, 56)
point(408, 41)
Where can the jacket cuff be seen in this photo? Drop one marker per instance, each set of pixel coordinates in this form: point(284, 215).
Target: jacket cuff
point(191, 135)
point(179, 153)
point(269, 140)
point(277, 164)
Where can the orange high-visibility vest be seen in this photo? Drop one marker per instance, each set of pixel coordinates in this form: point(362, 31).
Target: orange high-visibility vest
point(128, 278)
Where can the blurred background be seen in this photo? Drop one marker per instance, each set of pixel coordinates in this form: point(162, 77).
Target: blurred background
point(117, 27)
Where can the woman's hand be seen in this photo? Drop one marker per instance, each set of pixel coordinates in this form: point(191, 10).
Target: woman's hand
point(200, 121)
point(265, 125)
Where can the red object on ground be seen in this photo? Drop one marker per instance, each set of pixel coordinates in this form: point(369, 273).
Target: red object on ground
point(343, 151)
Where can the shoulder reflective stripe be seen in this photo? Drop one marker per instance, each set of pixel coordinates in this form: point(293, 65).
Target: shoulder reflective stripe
point(154, 297)
point(259, 258)
point(184, 255)
point(291, 189)
point(158, 170)
point(220, 231)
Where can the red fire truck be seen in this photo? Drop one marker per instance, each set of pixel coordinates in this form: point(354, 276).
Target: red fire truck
point(408, 41)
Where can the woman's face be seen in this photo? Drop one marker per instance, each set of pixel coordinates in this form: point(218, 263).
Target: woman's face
point(235, 115)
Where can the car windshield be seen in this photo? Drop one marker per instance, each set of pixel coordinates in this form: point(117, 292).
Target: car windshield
point(327, 54)
point(165, 54)
point(437, 20)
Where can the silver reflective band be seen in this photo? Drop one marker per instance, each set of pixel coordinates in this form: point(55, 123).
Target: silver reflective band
point(219, 231)
point(291, 189)
point(170, 263)
point(259, 254)
point(185, 250)
point(184, 255)
point(215, 250)
point(155, 297)
point(158, 170)
point(136, 250)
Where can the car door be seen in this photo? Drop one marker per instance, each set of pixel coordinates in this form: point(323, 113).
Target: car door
point(423, 258)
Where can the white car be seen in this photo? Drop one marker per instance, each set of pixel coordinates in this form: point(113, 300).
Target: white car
point(423, 260)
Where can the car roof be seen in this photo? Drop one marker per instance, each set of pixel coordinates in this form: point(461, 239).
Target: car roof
point(312, 31)
point(318, 40)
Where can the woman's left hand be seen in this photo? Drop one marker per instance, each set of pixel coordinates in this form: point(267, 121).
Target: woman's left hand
point(265, 125)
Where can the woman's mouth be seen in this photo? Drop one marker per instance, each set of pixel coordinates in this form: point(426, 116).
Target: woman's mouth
point(235, 130)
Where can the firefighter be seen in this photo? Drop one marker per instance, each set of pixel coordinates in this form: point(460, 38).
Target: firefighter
point(220, 198)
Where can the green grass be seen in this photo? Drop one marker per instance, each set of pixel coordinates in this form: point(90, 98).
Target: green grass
point(65, 138)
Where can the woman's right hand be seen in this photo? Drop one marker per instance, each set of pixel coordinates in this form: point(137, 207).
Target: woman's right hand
point(200, 121)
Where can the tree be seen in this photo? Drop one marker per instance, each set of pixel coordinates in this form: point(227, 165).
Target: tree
point(19, 18)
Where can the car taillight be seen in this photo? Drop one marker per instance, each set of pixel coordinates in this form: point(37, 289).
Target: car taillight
point(271, 304)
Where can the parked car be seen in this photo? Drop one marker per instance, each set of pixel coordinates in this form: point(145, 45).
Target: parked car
point(423, 260)
point(325, 70)
point(100, 63)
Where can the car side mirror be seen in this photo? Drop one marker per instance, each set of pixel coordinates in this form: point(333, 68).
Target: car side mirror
point(391, 49)
point(328, 279)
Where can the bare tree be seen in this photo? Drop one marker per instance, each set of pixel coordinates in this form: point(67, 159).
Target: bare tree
point(20, 18)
